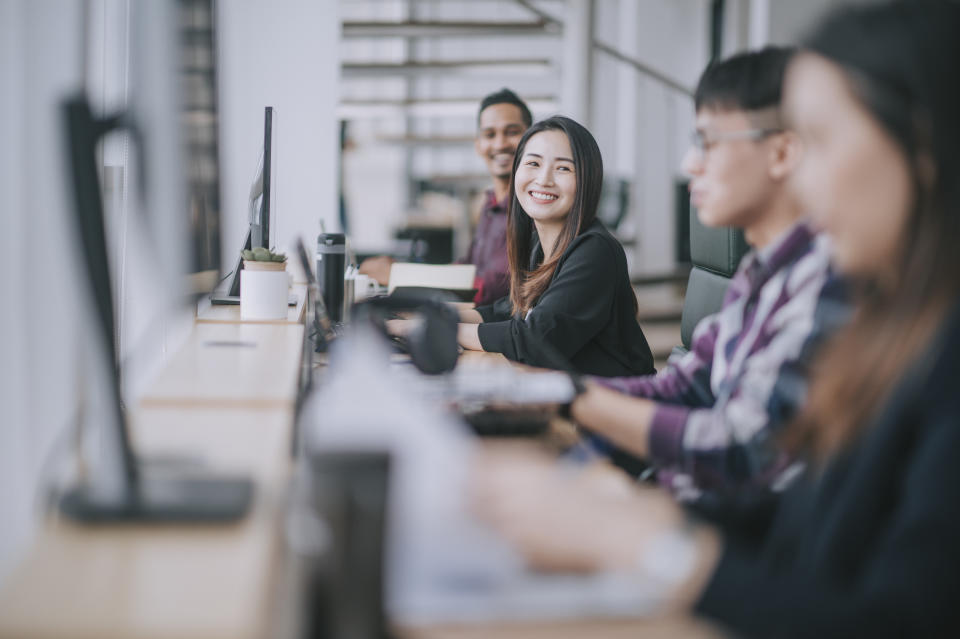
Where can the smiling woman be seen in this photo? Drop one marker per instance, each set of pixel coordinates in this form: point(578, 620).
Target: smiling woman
point(546, 185)
point(571, 304)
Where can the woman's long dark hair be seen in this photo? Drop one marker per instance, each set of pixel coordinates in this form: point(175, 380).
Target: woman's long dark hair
point(526, 285)
point(902, 62)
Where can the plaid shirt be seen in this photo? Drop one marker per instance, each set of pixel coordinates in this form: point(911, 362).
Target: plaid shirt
point(720, 405)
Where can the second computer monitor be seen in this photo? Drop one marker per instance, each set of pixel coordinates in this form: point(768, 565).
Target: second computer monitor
point(261, 190)
point(260, 212)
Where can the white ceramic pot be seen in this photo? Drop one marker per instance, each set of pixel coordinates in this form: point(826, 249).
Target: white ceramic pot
point(263, 291)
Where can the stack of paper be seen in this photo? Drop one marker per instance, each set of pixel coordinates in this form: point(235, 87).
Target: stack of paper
point(456, 278)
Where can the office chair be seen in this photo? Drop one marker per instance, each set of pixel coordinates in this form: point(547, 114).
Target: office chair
point(715, 254)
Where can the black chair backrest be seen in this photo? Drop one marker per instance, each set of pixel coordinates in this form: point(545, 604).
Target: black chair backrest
point(715, 254)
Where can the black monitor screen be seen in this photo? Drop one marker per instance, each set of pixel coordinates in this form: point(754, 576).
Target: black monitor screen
point(260, 210)
point(261, 190)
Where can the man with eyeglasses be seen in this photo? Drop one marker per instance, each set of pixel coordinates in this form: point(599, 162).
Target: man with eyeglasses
point(709, 422)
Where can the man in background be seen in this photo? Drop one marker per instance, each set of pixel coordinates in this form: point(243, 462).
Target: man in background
point(501, 121)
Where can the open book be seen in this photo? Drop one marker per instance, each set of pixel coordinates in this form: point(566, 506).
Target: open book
point(456, 278)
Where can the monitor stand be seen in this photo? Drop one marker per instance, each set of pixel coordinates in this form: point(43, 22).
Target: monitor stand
point(142, 495)
point(167, 499)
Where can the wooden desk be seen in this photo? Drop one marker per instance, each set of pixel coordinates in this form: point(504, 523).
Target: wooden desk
point(186, 581)
point(227, 396)
point(232, 365)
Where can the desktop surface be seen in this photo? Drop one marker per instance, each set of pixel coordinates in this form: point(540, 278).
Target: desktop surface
point(231, 366)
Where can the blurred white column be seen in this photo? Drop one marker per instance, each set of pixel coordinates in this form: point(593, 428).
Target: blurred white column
point(628, 80)
point(759, 33)
point(737, 28)
point(575, 97)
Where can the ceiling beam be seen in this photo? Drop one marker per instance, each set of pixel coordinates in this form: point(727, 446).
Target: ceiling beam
point(645, 69)
point(465, 108)
point(398, 102)
point(506, 66)
point(437, 29)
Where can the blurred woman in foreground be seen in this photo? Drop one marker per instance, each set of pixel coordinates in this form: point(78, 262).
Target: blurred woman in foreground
point(868, 544)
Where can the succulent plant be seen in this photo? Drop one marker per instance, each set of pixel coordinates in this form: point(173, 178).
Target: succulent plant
point(260, 254)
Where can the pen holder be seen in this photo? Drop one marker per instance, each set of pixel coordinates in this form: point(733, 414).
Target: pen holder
point(263, 290)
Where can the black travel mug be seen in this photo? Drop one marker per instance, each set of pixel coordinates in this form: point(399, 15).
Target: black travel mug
point(331, 267)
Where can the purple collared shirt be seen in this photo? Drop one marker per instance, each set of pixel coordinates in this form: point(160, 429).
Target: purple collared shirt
point(720, 405)
point(488, 252)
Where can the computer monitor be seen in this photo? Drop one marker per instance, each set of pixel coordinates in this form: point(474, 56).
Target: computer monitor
point(156, 119)
point(260, 192)
point(260, 212)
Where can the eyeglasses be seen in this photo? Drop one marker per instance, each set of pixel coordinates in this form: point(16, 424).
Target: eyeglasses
point(703, 142)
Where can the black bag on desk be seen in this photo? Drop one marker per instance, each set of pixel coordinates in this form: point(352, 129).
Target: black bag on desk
point(433, 345)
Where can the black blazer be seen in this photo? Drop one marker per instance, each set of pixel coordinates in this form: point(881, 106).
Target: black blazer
point(585, 318)
point(870, 547)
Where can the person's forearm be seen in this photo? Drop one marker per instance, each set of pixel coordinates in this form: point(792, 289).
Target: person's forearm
point(470, 316)
point(378, 268)
point(622, 419)
point(468, 337)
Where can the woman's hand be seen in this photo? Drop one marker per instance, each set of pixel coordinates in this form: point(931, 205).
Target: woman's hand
point(467, 335)
point(564, 519)
point(586, 520)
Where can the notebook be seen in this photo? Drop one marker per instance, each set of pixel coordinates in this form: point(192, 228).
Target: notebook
point(456, 278)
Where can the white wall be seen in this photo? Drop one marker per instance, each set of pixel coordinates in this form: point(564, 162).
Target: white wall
point(42, 318)
point(52, 375)
point(654, 121)
point(283, 54)
point(788, 21)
